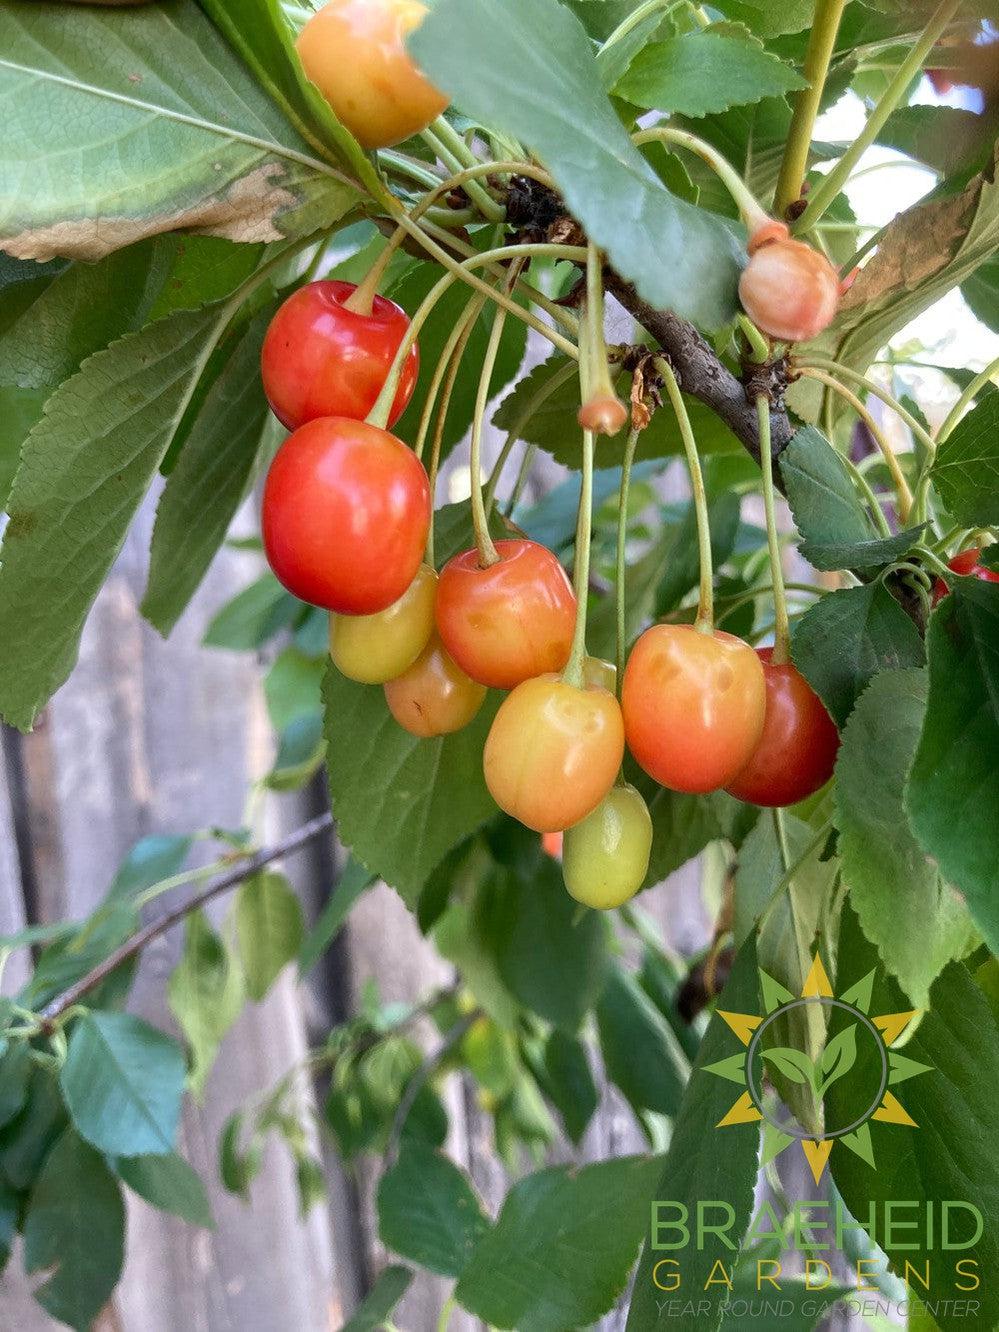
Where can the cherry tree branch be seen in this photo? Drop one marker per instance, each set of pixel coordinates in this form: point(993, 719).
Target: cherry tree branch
point(294, 841)
point(701, 373)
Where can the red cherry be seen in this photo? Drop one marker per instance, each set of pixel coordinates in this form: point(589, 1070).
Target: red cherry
point(797, 750)
point(345, 515)
point(321, 359)
point(510, 622)
point(966, 563)
point(693, 706)
point(788, 289)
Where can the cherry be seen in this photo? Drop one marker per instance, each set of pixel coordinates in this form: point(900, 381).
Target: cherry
point(965, 563)
point(606, 857)
point(355, 53)
point(694, 705)
point(551, 844)
point(433, 697)
point(788, 289)
point(553, 752)
point(797, 750)
point(321, 358)
point(373, 649)
point(511, 621)
point(345, 515)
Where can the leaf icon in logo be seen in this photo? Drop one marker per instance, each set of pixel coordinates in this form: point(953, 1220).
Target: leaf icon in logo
point(793, 1064)
point(838, 1058)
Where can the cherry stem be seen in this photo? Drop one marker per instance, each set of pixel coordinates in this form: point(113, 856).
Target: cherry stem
point(855, 377)
point(705, 605)
point(863, 485)
point(780, 833)
point(535, 401)
point(483, 201)
point(833, 182)
point(453, 362)
point(751, 210)
point(362, 299)
point(523, 472)
point(782, 631)
point(595, 377)
point(573, 673)
point(903, 494)
point(488, 554)
point(821, 43)
point(759, 346)
point(968, 396)
point(622, 542)
point(459, 334)
point(382, 408)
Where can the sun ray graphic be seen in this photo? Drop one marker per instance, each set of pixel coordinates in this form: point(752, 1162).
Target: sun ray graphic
point(832, 1063)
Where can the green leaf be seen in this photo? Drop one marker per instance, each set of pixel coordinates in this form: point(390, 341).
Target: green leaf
point(75, 1224)
point(794, 1065)
point(27, 1139)
point(293, 687)
point(209, 482)
point(15, 1075)
point(206, 995)
point(429, 1212)
point(954, 783)
point(153, 858)
point(554, 963)
point(878, 850)
point(123, 1081)
point(563, 1246)
point(106, 84)
point(641, 1053)
point(698, 1166)
point(84, 471)
point(821, 493)
point(253, 616)
point(352, 884)
point(769, 18)
point(682, 825)
point(261, 34)
point(374, 1309)
point(549, 96)
point(569, 1082)
point(959, 1041)
point(947, 139)
point(966, 468)
point(10, 1207)
point(269, 928)
point(300, 754)
point(701, 72)
point(802, 1307)
point(167, 1182)
point(847, 638)
point(401, 802)
point(981, 291)
point(239, 1167)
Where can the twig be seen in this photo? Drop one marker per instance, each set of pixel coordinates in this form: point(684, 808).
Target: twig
point(700, 372)
point(131, 947)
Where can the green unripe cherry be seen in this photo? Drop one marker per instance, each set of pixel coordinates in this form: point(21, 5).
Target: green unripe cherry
point(605, 858)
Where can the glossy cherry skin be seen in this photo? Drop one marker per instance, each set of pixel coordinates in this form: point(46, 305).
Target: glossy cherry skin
point(789, 290)
point(966, 563)
point(373, 649)
point(605, 858)
point(355, 52)
point(797, 750)
point(434, 697)
point(510, 622)
point(553, 752)
point(321, 359)
point(694, 705)
point(345, 515)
